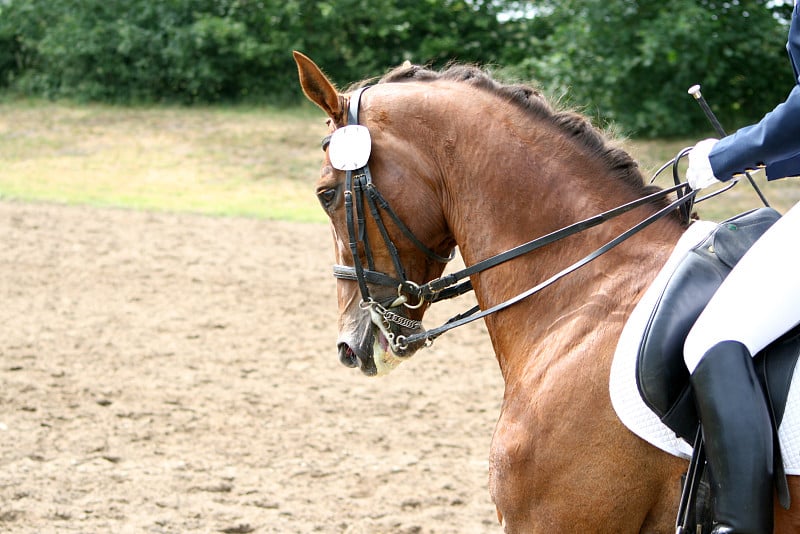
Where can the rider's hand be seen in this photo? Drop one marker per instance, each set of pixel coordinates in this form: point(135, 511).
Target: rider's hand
point(699, 174)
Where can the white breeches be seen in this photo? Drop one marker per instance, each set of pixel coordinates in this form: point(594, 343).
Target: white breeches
point(760, 298)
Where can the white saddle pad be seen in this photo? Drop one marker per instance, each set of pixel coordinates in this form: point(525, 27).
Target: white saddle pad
point(625, 397)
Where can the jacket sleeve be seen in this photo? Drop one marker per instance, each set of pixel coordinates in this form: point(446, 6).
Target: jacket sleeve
point(773, 140)
point(784, 168)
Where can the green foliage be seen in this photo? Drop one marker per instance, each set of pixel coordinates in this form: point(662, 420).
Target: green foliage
point(354, 39)
point(227, 50)
point(625, 61)
point(143, 50)
point(632, 61)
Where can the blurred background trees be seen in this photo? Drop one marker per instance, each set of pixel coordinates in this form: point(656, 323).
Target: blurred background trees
point(626, 62)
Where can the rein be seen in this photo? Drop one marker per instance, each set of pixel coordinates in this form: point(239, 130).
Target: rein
point(472, 315)
point(359, 187)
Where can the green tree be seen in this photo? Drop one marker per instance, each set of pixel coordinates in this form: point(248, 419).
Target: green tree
point(627, 61)
point(145, 50)
point(354, 39)
point(632, 61)
point(214, 50)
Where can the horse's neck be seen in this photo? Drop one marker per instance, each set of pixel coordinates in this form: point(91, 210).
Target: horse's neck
point(581, 315)
point(584, 311)
point(508, 177)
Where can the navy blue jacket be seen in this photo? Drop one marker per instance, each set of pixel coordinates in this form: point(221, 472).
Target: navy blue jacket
point(774, 142)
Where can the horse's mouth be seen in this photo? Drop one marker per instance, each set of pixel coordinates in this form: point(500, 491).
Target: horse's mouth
point(373, 353)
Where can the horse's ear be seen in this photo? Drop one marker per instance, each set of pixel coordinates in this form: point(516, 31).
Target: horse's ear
point(318, 88)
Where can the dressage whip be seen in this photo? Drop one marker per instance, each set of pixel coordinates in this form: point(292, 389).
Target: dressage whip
point(695, 92)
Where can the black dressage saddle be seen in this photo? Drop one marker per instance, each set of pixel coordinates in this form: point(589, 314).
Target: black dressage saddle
point(661, 375)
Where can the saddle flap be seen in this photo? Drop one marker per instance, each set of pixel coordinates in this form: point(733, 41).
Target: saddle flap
point(661, 374)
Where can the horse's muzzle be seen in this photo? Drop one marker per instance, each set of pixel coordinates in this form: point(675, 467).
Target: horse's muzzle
point(350, 357)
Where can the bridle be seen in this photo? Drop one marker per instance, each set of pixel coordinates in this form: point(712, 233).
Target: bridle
point(360, 190)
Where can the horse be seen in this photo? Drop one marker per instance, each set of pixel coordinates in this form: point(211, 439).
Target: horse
point(461, 160)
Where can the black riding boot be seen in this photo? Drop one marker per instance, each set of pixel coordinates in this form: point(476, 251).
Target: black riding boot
point(738, 436)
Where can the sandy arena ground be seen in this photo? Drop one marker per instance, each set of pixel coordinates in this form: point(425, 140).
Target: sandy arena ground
point(175, 373)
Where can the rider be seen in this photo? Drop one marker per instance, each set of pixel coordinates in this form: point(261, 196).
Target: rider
point(759, 301)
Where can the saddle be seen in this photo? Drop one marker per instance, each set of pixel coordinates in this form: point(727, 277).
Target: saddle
point(661, 374)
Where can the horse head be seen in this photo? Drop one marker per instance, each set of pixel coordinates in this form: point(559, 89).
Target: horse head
point(381, 246)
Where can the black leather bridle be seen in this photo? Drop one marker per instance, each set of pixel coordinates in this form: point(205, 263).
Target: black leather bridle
point(360, 190)
point(359, 193)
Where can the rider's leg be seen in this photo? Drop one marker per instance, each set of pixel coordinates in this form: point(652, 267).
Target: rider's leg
point(760, 298)
point(759, 301)
point(738, 437)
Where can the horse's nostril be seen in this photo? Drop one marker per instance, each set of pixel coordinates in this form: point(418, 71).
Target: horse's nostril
point(347, 356)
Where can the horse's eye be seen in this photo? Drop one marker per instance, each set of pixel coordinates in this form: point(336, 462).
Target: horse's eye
point(326, 197)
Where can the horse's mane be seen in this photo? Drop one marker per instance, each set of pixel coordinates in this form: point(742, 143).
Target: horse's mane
point(533, 102)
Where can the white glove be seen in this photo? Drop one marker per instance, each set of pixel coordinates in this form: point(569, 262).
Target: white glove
point(699, 174)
